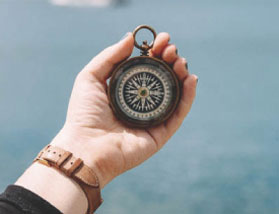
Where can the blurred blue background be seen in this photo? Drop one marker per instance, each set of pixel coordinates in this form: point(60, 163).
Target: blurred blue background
point(225, 157)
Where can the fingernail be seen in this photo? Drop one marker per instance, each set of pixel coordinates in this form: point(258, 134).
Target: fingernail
point(124, 36)
point(186, 65)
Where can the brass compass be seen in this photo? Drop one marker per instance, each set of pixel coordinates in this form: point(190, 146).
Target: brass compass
point(143, 91)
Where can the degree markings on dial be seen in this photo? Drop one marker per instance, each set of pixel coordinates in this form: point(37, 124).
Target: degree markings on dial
point(158, 98)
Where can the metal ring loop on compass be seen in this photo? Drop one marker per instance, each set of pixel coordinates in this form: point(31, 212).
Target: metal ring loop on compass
point(144, 47)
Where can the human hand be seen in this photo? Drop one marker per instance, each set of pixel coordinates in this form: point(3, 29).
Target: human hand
point(94, 134)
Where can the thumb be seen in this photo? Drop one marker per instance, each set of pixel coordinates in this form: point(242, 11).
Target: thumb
point(102, 64)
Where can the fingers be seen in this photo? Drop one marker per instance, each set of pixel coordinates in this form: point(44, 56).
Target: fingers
point(180, 67)
point(160, 43)
point(169, 54)
point(163, 49)
point(184, 106)
point(102, 64)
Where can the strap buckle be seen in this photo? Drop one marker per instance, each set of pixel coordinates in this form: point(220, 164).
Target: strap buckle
point(43, 161)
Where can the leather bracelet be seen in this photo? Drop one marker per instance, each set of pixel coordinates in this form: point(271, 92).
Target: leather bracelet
point(75, 169)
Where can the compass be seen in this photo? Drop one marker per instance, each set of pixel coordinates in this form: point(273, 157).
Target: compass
point(143, 91)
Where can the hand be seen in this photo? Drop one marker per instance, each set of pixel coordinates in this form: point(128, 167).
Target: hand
point(91, 130)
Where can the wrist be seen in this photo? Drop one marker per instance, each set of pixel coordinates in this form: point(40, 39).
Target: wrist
point(87, 148)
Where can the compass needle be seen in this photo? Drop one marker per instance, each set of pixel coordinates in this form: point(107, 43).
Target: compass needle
point(132, 91)
point(152, 84)
point(136, 84)
point(142, 102)
point(157, 93)
point(148, 79)
point(137, 107)
point(148, 106)
point(135, 99)
point(151, 101)
point(144, 80)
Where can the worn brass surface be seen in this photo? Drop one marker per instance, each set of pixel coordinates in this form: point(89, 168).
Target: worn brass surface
point(144, 47)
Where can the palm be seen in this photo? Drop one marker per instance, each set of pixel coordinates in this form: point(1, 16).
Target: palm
point(89, 109)
point(117, 146)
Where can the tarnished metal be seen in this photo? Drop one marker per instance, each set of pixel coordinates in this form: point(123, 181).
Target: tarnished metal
point(145, 46)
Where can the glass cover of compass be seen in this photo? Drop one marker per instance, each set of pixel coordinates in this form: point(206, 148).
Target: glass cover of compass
point(143, 91)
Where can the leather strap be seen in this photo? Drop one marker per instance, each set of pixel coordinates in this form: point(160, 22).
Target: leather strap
point(75, 168)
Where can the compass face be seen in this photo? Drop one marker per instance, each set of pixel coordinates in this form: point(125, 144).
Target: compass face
point(143, 91)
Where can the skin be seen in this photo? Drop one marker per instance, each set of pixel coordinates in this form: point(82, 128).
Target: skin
point(94, 134)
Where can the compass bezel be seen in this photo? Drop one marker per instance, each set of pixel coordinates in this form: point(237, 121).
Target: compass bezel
point(142, 60)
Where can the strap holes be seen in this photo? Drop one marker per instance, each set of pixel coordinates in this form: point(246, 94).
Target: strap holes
point(59, 155)
point(54, 152)
point(71, 163)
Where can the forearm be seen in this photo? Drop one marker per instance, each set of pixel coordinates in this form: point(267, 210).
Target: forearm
point(55, 187)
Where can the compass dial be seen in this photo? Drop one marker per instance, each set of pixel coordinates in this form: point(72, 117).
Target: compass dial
point(143, 94)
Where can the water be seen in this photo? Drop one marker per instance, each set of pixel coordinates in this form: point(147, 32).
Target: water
point(224, 159)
